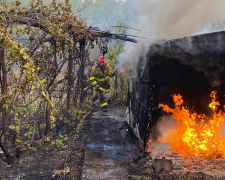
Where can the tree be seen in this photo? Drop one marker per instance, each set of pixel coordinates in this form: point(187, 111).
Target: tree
point(33, 75)
point(44, 54)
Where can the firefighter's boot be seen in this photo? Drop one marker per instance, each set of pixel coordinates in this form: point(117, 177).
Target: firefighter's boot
point(104, 108)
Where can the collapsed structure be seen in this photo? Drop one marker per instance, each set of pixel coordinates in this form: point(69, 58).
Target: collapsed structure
point(191, 66)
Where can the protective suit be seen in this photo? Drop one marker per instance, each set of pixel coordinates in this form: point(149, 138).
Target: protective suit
point(100, 79)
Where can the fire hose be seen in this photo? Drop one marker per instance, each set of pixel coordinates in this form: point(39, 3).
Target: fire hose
point(97, 86)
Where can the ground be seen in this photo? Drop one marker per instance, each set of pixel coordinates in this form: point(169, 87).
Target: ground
point(103, 149)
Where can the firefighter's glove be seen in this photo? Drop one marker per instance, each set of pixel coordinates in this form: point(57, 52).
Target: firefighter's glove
point(98, 86)
point(107, 78)
point(113, 73)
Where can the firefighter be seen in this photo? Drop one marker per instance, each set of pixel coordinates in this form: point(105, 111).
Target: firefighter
point(99, 79)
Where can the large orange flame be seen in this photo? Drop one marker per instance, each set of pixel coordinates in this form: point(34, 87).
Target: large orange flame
point(196, 135)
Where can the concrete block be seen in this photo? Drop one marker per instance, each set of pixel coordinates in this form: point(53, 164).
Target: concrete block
point(162, 165)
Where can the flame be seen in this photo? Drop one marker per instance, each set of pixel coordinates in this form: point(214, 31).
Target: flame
point(213, 104)
point(196, 135)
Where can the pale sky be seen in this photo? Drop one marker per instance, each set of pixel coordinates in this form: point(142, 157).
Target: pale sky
point(115, 0)
point(120, 0)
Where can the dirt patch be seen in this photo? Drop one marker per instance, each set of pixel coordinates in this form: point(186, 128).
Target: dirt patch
point(104, 147)
point(48, 162)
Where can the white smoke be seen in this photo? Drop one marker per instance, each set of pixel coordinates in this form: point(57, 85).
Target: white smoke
point(166, 123)
point(169, 19)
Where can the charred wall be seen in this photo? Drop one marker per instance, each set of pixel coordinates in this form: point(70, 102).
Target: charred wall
point(191, 66)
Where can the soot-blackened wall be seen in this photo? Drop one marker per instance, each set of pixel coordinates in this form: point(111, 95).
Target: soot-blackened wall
point(191, 66)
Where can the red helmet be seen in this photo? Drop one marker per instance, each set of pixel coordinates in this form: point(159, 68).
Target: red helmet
point(101, 60)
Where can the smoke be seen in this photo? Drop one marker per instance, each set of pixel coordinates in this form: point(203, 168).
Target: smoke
point(166, 122)
point(217, 26)
point(168, 19)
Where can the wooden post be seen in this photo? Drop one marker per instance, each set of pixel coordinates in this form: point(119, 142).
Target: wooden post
point(69, 89)
point(46, 119)
point(4, 93)
point(82, 66)
point(116, 84)
point(47, 107)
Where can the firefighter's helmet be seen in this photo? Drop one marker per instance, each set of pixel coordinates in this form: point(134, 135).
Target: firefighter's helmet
point(101, 60)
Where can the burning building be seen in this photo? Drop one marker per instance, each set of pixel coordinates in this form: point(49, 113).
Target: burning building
point(185, 75)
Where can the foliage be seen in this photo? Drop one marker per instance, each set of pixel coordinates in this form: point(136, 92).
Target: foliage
point(79, 115)
point(120, 82)
point(100, 13)
point(38, 41)
point(45, 68)
point(106, 13)
point(62, 171)
point(59, 142)
point(142, 177)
